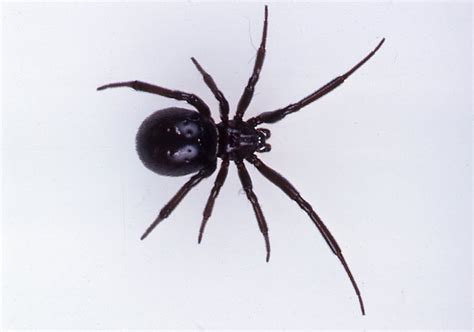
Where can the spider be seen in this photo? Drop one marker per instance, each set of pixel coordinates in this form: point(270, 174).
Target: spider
point(177, 141)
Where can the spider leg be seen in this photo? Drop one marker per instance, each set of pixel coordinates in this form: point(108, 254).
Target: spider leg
point(221, 176)
point(274, 116)
point(223, 104)
point(247, 185)
point(278, 180)
point(171, 205)
point(190, 98)
point(250, 88)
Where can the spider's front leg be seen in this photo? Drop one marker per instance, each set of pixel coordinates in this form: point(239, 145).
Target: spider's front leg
point(282, 183)
point(247, 95)
point(275, 116)
point(248, 188)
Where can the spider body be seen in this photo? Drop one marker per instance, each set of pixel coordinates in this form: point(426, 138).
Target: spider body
point(177, 141)
point(238, 140)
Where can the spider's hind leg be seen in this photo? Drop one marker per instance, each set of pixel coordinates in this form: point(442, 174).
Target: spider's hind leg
point(223, 103)
point(220, 179)
point(177, 198)
point(190, 98)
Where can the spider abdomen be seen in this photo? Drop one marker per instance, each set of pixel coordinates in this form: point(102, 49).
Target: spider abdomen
point(176, 141)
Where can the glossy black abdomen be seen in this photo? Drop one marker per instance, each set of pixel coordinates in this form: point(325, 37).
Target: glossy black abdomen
point(176, 141)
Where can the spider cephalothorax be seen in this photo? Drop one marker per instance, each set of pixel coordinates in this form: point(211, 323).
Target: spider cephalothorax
point(177, 141)
point(238, 140)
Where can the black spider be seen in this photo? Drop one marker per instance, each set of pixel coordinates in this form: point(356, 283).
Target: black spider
point(177, 141)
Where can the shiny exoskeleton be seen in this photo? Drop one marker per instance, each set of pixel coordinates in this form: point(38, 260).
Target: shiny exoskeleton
point(178, 141)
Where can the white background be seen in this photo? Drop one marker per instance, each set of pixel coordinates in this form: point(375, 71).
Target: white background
point(384, 159)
